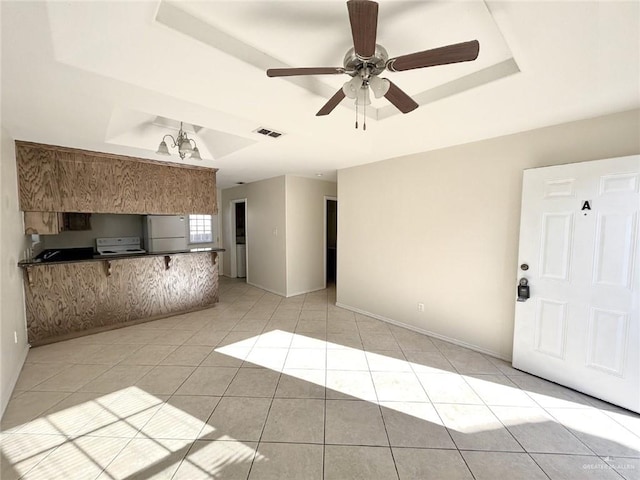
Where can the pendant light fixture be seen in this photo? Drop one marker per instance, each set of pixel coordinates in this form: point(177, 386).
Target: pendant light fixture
point(187, 147)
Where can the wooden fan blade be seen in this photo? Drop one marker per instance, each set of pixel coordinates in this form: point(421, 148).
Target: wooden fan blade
point(331, 104)
point(401, 100)
point(288, 72)
point(363, 15)
point(459, 52)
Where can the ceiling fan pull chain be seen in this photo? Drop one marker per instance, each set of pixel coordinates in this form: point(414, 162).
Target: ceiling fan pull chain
point(364, 116)
point(356, 114)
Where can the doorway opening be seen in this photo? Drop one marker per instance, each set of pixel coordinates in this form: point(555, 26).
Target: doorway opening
point(331, 237)
point(239, 264)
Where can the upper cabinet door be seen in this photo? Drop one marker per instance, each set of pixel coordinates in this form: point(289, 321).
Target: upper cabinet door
point(162, 195)
point(77, 183)
point(38, 180)
point(202, 189)
point(127, 184)
point(98, 184)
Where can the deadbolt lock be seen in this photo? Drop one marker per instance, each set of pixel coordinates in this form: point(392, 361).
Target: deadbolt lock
point(523, 290)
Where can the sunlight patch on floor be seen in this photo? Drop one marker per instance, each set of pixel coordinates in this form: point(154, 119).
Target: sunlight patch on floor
point(82, 440)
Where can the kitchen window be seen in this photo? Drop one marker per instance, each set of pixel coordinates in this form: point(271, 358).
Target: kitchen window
point(200, 230)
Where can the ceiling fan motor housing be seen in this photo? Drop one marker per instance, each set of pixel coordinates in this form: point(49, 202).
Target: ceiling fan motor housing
point(354, 64)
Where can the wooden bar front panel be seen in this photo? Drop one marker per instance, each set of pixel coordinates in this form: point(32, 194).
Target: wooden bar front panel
point(73, 297)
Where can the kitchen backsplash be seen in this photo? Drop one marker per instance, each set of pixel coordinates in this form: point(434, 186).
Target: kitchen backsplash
point(102, 225)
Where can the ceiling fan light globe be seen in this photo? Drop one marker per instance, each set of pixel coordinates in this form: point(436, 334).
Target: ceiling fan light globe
point(352, 87)
point(348, 91)
point(163, 149)
point(380, 86)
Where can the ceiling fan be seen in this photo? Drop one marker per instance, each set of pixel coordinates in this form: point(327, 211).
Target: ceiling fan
point(366, 60)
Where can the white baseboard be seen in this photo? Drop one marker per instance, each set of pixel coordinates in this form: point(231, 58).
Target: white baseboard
point(12, 384)
point(302, 292)
point(282, 294)
point(455, 341)
point(266, 289)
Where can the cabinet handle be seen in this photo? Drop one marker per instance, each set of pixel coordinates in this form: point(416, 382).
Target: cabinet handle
point(167, 262)
point(29, 276)
point(107, 265)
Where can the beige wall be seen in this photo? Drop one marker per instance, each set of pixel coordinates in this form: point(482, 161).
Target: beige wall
point(266, 235)
point(441, 228)
point(305, 233)
point(266, 232)
point(285, 232)
point(12, 245)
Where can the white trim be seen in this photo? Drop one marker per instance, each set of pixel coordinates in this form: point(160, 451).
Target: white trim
point(426, 332)
point(282, 294)
point(313, 289)
point(266, 289)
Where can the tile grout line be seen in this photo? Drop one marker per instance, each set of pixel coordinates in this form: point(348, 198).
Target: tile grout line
point(438, 413)
point(324, 412)
point(266, 419)
point(433, 404)
point(384, 423)
point(375, 389)
point(560, 424)
point(192, 444)
point(524, 450)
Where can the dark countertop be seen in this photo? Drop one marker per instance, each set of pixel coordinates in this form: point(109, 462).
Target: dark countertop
point(35, 263)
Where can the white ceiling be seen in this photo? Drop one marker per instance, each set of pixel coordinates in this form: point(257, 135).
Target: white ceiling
point(98, 75)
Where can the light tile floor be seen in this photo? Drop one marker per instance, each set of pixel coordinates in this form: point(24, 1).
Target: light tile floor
point(263, 387)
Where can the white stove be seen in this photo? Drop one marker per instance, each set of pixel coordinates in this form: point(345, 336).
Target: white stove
point(119, 246)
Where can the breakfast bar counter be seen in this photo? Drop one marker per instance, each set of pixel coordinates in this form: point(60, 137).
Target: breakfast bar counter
point(66, 299)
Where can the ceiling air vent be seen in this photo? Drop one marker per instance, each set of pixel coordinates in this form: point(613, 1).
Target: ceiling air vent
point(268, 133)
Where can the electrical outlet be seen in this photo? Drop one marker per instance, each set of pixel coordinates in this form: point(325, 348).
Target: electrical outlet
point(421, 307)
point(15, 337)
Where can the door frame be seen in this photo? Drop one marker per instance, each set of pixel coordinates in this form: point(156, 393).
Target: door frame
point(326, 199)
point(232, 228)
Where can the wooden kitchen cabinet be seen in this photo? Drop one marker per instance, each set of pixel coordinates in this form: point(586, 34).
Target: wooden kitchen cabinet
point(58, 179)
point(71, 298)
point(163, 195)
point(200, 188)
point(37, 179)
point(42, 223)
point(77, 183)
point(111, 185)
point(52, 223)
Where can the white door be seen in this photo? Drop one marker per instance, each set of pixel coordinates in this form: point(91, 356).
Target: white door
point(579, 238)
